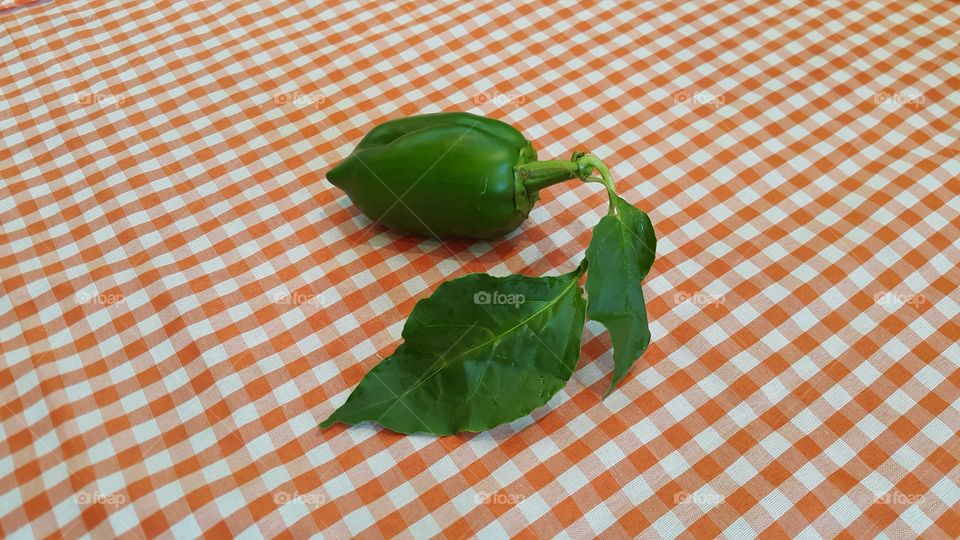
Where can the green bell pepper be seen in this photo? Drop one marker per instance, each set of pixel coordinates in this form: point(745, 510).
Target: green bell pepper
point(449, 174)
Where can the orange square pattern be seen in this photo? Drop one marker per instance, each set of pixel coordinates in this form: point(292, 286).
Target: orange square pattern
point(184, 297)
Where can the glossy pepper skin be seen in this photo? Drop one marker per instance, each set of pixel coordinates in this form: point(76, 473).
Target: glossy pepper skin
point(444, 175)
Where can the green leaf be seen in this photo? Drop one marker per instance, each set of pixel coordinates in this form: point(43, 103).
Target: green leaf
point(479, 352)
point(620, 255)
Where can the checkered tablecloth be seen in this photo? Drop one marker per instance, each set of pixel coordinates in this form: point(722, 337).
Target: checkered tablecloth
point(184, 297)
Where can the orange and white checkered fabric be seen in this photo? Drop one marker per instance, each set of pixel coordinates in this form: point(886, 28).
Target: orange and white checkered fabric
point(184, 297)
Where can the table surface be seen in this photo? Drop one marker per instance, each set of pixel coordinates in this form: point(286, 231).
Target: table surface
point(184, 297)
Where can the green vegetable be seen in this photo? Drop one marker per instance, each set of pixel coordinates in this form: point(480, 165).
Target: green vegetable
point(446, 175)
point(482, 351)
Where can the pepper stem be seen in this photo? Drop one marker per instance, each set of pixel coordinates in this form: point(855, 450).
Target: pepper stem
point(537, 175)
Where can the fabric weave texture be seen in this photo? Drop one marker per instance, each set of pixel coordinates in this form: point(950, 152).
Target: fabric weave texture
point(184, 297)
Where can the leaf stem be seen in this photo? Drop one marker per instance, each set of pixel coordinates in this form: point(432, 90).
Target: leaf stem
point(589, 162)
